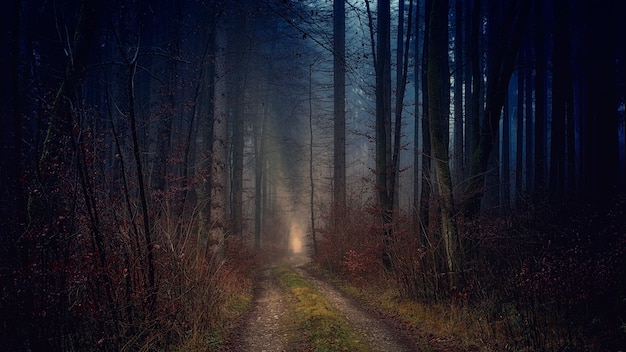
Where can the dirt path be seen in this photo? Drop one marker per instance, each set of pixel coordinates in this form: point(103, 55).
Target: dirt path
point(265, 330)
point(379, 334)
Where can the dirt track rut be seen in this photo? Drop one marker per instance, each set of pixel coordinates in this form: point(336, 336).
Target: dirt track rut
point(264, 330)
point(380, 335)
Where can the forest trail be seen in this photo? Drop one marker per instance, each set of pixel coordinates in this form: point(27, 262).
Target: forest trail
point(266, 328)
point(379, 334)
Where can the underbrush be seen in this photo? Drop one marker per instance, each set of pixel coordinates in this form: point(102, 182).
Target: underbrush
point(434, 327)
point(324, 328)
point(221, 302)
point(548, 277)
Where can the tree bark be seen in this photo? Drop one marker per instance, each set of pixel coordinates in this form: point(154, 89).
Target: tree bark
point(402, 62)
point(439, 113)
point(458, 154)
point(383, 118)
point(339, 85)
point(218, 152)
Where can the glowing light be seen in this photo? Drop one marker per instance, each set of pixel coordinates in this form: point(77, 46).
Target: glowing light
point(295, 238)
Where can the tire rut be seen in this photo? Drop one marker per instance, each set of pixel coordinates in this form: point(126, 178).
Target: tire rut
point(264, 330)
point(380, 335)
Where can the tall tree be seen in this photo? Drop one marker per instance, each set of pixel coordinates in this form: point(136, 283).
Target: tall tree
point(417, 73)
point(218, 152)
point(498, 77)
point(238, 88)
point(459, 65)
point(260, 127)
point(519, 141)
point(311, 179)
point(426, 166)
point(402, 64)
point(562, 100)
point(439, 113)
point(339, 87)
point(382, 63)
point(540, 102)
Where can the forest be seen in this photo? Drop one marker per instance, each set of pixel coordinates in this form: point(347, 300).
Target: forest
point(466, 155)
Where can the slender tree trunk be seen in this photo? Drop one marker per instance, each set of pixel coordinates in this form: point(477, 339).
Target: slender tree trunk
point(469, 83)
point(418, 113)
point(147, 228)
point(540, 102)
point(458, 154)
point(239, 82)
point(260, 194)
point(477, 80)
point(311, 180)
point(492, 177)
point(561, 104)
point(204, 106)
point(238, 146)
point(339, 84)
point(402, 63)
point(528, 126)
point(505, 157)
point(427, 184)
point(519, 141)
point(383, 117)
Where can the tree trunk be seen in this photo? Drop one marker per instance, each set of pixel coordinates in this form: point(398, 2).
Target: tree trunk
point(561, 102)
point(402, 61)
point(528, 125)
point(458, 154)
point(519, 141)
point(218, 155)
point(339, 85)
point(418, 113)
point(498, 78)
point(439, 113)
point(238, 88)
point(311, 180)
point(147, 228)
point(540, 102)
point(426, 191)
point(383, 118)
point(505, 157)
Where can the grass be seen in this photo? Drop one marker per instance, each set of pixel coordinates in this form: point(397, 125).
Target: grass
point(323, 327)
point(435, 327)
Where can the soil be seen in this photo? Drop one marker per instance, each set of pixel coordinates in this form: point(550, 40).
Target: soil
point(380, 334)
point(264, 329)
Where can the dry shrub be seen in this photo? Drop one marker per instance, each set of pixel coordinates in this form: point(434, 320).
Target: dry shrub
point(550, 276)
point(353, 248)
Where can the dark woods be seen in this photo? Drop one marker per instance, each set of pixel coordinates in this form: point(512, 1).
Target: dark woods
point(154, 153)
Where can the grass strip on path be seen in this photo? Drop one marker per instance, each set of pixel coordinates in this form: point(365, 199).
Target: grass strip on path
point(324, 328)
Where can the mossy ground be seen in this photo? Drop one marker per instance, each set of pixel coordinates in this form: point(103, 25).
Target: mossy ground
point(315, 322)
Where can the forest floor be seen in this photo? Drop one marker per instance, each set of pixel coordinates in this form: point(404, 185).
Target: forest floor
point(268, 325)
